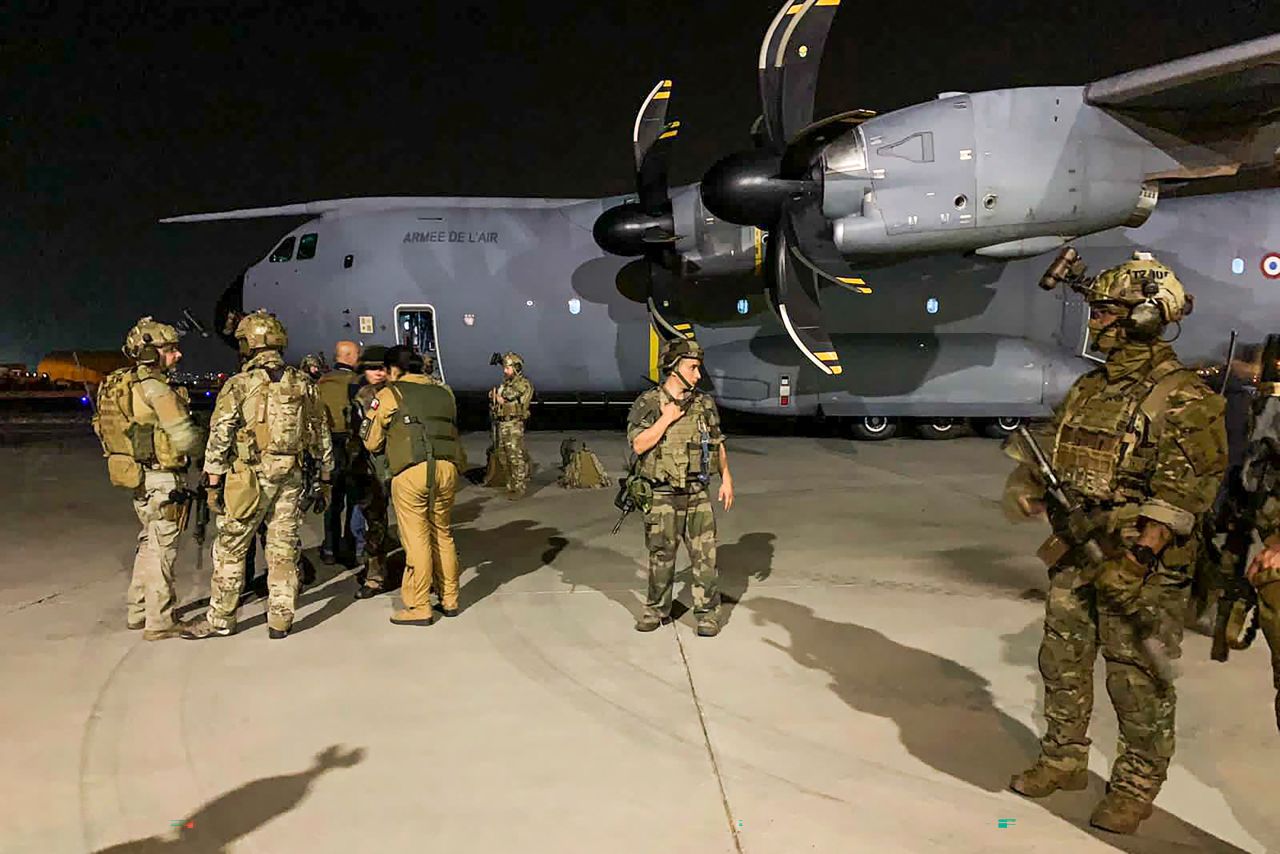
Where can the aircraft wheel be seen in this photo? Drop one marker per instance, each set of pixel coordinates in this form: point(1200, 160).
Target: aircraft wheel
point(1000, 428)
point(939, 428)
point(873, 428)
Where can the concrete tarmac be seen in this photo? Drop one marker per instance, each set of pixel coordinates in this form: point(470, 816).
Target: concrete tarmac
point(873, 689)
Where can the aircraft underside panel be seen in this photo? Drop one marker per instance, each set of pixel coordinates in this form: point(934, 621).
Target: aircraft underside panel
point(907, 375)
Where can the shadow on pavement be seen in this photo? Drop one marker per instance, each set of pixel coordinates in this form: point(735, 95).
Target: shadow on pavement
point(749, 559)
point(947, 718)
point(218, 824)
point(503, 554)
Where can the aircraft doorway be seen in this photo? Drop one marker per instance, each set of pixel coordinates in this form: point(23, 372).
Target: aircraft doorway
point(416, 326)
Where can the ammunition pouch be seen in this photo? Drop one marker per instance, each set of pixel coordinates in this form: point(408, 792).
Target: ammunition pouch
point(142, 438)
point(241, 492)
point(124, 471)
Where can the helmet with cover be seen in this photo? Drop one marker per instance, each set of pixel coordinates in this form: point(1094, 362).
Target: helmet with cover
point(145, 339)
point(679, 348)
point(261, 330)
point(1144, 292)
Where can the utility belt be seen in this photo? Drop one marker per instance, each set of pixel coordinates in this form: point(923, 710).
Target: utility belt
point(665, 488)
point(501, 418)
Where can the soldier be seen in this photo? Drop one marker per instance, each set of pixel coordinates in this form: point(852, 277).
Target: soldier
point(337, 389)
point(415, 422)
point(370, 479)
point(313, 366)
point(509, 407)
point(265, 418)
point(1140, 441)
point(674, 431)
point(147, 436)
point(1262, 476)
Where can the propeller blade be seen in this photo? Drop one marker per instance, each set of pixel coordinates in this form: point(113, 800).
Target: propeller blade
point(812, 246)
point(795, 299)
point(790, 58)
point(652, 137)
point(667, 318)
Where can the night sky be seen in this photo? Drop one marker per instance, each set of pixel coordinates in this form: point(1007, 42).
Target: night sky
point(118, 114)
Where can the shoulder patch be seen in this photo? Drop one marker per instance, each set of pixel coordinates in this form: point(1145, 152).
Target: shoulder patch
point(374, 403)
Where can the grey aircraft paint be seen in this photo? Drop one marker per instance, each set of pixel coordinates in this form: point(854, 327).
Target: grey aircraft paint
point(941, 335)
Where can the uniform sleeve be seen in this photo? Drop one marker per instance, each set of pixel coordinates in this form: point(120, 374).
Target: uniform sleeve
point(222, 429)
point(173, 415)
point(643, 415)
point(524, 396)
point(373, 430)
point(1191, 458)
point(713, 420)
point(321, 438)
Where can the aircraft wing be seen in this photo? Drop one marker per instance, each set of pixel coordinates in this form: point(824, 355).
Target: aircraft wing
point(1214, 112)
point(340, 207)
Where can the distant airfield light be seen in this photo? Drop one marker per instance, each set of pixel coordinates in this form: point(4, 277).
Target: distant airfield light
point(575, 305)
point(1237, 266)
point(469, 319)
point(932, 305)
point(529, 303)
point(84, 400)
point(743, 306)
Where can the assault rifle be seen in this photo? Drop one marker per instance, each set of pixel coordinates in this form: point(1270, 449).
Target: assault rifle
point(1081, 527)
point(312, 496)
point(193, 500)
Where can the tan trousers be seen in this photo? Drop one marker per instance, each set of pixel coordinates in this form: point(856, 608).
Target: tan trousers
point(426, 535)
point(151, 594)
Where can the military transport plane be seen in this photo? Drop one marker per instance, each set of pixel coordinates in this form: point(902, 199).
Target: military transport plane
point(872, 267)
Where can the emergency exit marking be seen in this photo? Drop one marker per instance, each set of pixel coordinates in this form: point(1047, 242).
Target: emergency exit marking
point(366, 324)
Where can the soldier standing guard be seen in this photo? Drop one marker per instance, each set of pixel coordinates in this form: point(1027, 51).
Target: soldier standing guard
point(147, 435)
point(415, 421)
point(510, 409)
point(371, 482)
point(674, 431)
point(1140, 443)
point(265, 418)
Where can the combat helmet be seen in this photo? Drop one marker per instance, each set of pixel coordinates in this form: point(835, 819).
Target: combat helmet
point(311, 363)
point(145, 339)
point(1147, 289)
point(513, 361)
point(261, 331)
point(679, 348)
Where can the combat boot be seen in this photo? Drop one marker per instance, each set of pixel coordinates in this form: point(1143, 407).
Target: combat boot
point(174, 631)
point(202, 629)
point(650, 620)
point(1041, 780)
point(366, 591)
point(708, 626)
point(135, 626)
point(277, 634)
point(1120, 813)
point(414, 617)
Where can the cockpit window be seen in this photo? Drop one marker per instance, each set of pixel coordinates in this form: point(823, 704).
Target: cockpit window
point(307, 246)
point(283, 252)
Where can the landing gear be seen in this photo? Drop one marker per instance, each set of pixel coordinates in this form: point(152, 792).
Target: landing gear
point(1000, 428)
point(938, 428)
point(873, 428)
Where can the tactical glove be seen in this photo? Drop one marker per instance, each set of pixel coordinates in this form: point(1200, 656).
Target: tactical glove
point(1119, 583)
point(213, 497)
point(1072, 523)
point(324, 494)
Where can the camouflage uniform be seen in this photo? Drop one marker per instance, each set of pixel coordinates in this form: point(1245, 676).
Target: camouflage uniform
point(1262, 467)
point(511, 410)
point(1141, 438)
point(681, 508)
point(287, 426)
point(156, 406)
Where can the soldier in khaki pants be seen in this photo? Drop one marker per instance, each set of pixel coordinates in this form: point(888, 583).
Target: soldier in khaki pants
point(414, 420)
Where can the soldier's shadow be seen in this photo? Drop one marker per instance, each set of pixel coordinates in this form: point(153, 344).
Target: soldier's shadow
point(501, 555)
point(214, 827)
point(946, 717)
point(737, 565)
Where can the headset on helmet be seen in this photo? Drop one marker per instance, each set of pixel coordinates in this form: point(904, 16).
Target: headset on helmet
point(145, 339)
point(1147, 289)
point(261, 330)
